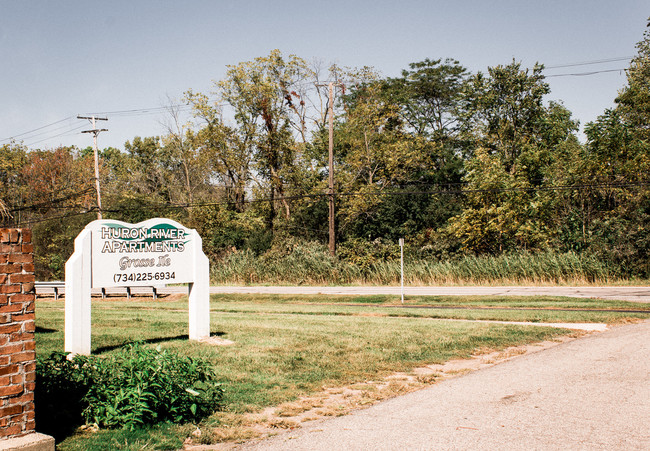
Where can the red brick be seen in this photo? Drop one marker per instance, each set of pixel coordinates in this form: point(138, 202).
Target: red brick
point(4, 339)
point(4, 250)
point(21, 278)
point(4, 235)
point(10, 328)
point(10, 390)
point(26, 399)
point(30, 386)
point(20, 318)
point(20, 336)
point(17, 378)
point(12, 348)
point(29, 288)
point(10, 369)
point(3, 278)
point(28, 267)
point(11, 308)
point(27, 248)
point(29, 326)
point(4, 360)
point(14, 235)
point(23, 297)
point(8, 289)
point(11, 410)
point(20, 258)
point(27, 235)
point(30, 345)
point(6, 380)
point(13, 430)
point(22, 357)
point(30, 377)
point(10, 268)
point(30, 367)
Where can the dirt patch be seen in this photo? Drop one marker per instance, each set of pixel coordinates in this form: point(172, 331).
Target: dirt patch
point(216, 341)
point(337, 401)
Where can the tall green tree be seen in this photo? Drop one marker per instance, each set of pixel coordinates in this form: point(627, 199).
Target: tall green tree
point(619, 159)
point(264, 94)
point(517, 138)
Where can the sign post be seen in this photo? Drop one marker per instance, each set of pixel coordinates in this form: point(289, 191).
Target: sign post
point(401, 266)
point(111, 253)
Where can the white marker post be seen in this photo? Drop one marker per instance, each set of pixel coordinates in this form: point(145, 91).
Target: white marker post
point(111, 253)
point(401, 265)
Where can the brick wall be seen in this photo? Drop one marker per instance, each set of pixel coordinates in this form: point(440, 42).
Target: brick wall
point(17, 356)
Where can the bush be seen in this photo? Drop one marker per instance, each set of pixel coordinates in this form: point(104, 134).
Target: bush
point(61, 385)
point(137, 386)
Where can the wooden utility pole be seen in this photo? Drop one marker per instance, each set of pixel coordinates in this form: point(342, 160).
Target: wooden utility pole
point(95, 131)
point(332, 235)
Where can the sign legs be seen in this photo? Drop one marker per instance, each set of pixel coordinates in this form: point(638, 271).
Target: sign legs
point(77, 296)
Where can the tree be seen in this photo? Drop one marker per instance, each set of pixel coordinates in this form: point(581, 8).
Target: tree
point(504, 111)
point(428, 95)
point(265, 96)
point(229, 151)
point(375, 155)
point(619, 158)
point(12, 159)
point(517, 139)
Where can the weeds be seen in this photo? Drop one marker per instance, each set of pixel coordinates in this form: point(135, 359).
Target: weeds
point(311, 263)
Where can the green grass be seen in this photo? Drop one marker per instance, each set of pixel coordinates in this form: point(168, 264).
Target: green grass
point(289, 346)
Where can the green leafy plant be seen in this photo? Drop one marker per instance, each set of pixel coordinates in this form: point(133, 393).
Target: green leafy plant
point(141, 385)
point(134, 387)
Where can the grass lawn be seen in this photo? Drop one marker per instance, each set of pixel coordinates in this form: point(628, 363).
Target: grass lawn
point(286, 347)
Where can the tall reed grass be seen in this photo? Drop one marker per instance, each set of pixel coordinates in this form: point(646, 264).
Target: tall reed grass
point(311, 264)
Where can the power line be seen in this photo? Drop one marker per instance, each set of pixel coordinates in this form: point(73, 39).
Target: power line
point(35, 130)
point(65, 133)
point(583, 74)
point(587, 63)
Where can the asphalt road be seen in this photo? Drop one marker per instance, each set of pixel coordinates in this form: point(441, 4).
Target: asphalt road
point(592, 393)
point(634, 294)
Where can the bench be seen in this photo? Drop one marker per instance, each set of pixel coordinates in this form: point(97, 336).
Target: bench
point(58, 288)
point(54, 286)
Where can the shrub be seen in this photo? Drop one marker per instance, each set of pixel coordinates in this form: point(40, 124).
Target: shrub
point(136, 386)
point(61, 385)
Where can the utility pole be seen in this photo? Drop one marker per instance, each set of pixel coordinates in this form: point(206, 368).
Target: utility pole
point(330, 109)
point(95, 131)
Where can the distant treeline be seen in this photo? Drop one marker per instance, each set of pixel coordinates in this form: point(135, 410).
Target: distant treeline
point(461, 164)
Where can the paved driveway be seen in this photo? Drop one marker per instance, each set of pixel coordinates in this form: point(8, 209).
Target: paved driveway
point(592, 393)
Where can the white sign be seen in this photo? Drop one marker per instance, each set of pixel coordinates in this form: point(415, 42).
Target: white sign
point(153, 252)
point(110, 253)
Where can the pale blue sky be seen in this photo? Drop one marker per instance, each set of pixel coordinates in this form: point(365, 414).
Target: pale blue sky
point(63, 58)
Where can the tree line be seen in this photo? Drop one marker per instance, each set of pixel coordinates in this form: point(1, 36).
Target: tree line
point(458, 163)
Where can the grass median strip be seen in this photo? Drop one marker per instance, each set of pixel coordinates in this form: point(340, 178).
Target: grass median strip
point(287, 348)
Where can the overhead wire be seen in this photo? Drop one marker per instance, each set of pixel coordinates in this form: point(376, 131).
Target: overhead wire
point(183, 107)
point(35, 129)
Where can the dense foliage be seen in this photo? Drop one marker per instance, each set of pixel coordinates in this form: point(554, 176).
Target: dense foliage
point(459, 163)
point(133, 387)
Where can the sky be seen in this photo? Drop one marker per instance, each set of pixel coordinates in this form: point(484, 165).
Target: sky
point(125, 60)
